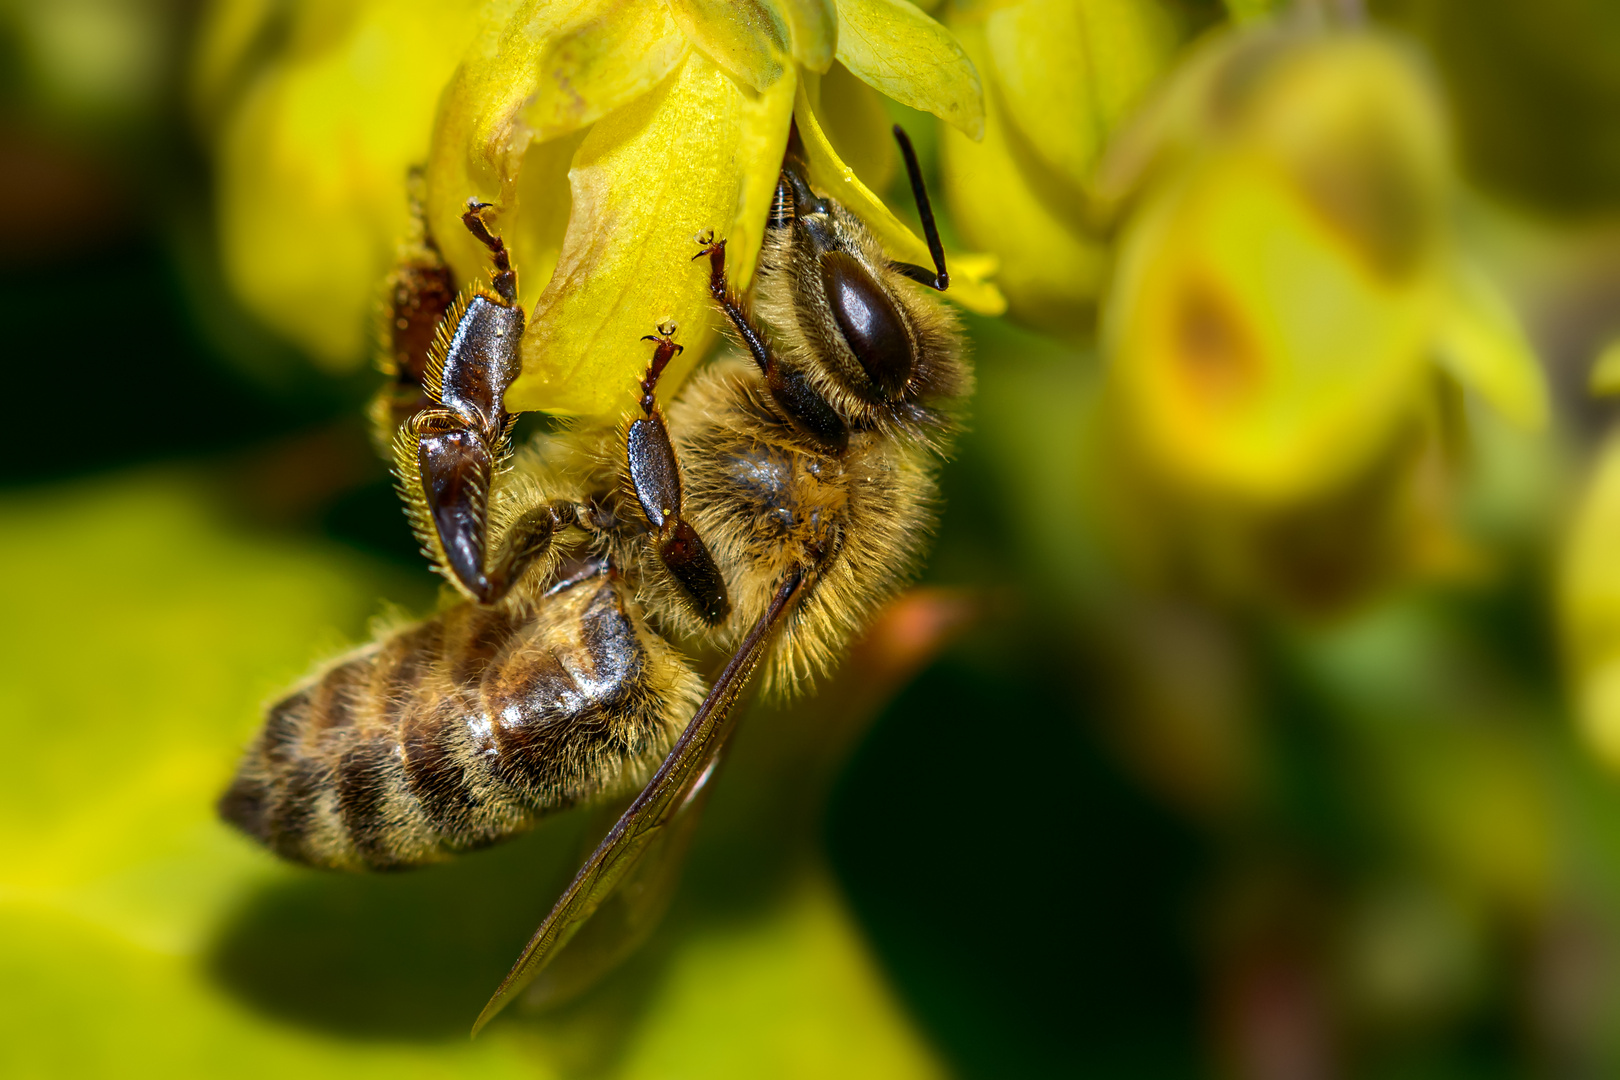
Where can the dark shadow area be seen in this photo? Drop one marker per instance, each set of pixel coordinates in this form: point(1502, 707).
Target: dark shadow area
point(1026, 900)
point(369, 517)
point(402, 956)
point(115, 372)
point(110, 347)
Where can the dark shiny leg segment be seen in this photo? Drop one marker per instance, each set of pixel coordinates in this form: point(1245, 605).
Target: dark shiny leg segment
point(656, 477)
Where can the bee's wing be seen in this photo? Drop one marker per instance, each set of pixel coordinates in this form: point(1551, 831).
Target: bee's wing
point(666, 808)
point(628, 915)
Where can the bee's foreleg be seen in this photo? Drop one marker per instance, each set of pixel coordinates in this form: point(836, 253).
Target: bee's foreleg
point(805, 409)
point(655, 476)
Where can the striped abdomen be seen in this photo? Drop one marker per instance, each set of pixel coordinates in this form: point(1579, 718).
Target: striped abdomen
point(461, 730)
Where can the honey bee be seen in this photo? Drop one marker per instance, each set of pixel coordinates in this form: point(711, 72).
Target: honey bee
point(781, 498)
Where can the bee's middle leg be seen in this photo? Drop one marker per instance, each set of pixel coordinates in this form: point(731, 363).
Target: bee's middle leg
point(655, 476)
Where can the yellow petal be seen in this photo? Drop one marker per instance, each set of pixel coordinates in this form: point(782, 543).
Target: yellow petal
point(1069, 73)
point(1050, 268)
point(858, 126)
point(312, 169)
point(904, 54)
point(535, 228)
point(610, 54)
point(815, 31)
point(1482, 344)
point(544, 71)
point(969, 286)
point(1174, 118)
point(696, 154)
point(1598, 707)
point(761, 142)
point(749, 39)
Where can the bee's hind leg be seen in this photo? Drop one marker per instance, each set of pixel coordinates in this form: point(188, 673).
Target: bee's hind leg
point(445, 472)
point(656, 477)
point(446, 455)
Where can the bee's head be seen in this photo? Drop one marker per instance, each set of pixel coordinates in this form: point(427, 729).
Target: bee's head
point(871, 343)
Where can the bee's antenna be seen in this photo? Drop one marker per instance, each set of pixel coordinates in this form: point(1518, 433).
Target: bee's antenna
point(940, 279)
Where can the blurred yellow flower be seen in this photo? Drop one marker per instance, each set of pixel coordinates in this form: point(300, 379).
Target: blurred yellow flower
point(1061, 76)
point(1290, 314)
point(1289, 278)
point(607, 133)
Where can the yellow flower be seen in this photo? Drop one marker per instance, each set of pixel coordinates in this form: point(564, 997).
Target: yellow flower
point(1060, 77)
point(607, 133)
point(1289, 279)
point(312, 143)
point(1290, 314)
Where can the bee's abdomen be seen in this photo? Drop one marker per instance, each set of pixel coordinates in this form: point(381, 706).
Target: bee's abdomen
point(461, 731)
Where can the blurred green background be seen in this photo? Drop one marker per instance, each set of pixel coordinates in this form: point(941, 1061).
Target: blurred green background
point(1257, 729)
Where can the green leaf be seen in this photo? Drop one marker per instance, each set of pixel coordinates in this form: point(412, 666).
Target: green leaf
point(1250, 10)
point(1605, 378)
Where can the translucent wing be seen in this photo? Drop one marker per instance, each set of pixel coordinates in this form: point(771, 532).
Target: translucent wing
point(666, 808)
point(630, 913)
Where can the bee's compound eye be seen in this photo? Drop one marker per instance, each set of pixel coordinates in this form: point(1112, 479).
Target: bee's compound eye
point(869, 321)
